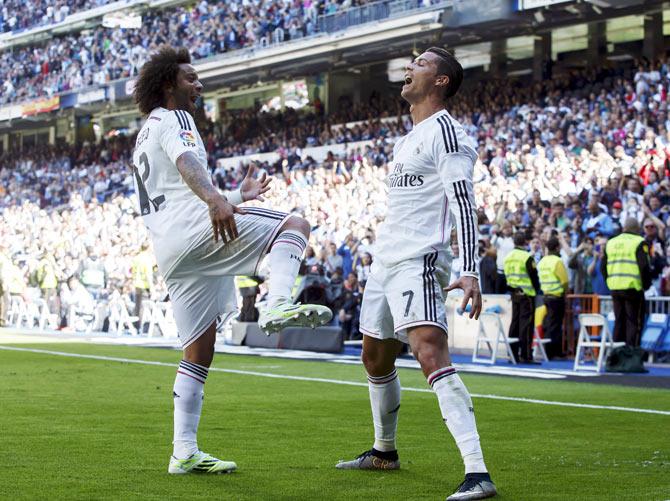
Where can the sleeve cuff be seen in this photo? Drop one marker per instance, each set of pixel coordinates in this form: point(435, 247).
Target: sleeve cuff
point(470, 274)
point(234, 197)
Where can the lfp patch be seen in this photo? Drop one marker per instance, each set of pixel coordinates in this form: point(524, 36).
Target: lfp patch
point(187, 138)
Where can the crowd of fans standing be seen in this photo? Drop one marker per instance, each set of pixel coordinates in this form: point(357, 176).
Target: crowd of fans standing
point(101, 55)
point(570, 158)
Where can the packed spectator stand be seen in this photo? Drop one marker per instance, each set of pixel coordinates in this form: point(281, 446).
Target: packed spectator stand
point(100, 55)
point(575, 156)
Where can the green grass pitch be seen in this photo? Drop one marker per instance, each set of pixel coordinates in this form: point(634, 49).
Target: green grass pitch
point(74, 428)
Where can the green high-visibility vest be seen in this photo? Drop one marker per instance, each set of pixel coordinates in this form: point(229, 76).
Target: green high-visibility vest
point(623, 271)
point(515, 271)
point(549, 281)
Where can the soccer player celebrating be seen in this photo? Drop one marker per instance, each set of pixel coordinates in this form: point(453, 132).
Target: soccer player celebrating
point(201, 239)
point(430, 178)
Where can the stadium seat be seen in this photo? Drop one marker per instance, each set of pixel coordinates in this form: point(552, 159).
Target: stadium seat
point(492, 333)
point(587, 343)
point(655, 333)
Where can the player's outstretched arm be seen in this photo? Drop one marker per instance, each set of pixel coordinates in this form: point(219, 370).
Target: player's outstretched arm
point(221, 212)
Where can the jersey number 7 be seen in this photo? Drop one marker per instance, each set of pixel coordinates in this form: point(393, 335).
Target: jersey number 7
point(145, 201)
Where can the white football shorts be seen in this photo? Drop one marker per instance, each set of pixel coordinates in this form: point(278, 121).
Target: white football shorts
point(405, 295)
point(201, 286)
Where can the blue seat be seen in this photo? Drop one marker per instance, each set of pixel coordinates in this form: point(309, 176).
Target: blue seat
point(610, 321)
point(654, 335)
point(664, 341)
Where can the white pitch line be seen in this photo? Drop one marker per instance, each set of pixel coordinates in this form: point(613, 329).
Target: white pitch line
point(337, 381)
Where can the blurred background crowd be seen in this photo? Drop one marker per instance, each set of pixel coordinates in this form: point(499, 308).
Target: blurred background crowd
point(100, 55)
point(572, 157)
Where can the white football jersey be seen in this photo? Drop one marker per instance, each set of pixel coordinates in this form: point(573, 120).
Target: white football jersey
point(175, 217)
point(430, 177)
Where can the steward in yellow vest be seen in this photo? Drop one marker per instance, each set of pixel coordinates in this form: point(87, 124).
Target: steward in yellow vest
point(142, 272)
point(627, 270)
point(523, 282)
point(48, 281)
point(554, 282)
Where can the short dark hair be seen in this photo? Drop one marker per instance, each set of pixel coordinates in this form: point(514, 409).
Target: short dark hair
point(553, 244)
point(448, 65)
point(159, 71)
point(519, 238)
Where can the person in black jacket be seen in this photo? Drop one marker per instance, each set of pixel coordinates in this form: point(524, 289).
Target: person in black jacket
point(488, 271)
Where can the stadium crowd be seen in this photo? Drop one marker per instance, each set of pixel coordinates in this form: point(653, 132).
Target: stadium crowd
point(18, 16)
point(102, 54)
point(571, 157)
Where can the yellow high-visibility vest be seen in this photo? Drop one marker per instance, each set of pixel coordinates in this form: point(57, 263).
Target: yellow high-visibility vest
point(46, 274)
point(623, 272)
point(142, 270)
point(515, 271)
point(549, 281)
point(243, 281)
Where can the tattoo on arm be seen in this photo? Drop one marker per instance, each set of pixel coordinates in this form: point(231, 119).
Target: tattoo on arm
point(196, 177)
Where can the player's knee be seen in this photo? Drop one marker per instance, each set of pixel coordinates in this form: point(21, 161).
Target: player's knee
point(297, 223)
point(375, 364)
point(429, 357)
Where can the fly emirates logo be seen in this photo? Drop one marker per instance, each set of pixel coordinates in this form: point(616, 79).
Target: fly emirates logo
point(400, 179)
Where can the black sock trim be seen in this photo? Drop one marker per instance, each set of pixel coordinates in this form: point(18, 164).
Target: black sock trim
point(390, 455)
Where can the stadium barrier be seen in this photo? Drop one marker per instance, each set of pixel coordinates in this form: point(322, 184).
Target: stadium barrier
point(324, 339)
point(157, 320)
point(376, 11)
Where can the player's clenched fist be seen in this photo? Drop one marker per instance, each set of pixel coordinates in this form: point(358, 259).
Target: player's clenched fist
point(222, 213)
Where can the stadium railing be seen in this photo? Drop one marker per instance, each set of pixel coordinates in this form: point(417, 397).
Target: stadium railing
point(376, 11)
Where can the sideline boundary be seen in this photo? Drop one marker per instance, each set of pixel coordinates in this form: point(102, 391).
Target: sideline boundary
point(335, 381)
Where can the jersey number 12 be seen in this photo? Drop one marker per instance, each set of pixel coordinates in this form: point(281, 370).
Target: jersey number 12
point(145, 201)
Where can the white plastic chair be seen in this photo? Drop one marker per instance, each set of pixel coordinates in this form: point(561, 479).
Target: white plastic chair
point(538, 346)
point(166, 323)
point(16, 310)
point(120, 321)
point(586, 342)
point(493, 341)
point(83, 319)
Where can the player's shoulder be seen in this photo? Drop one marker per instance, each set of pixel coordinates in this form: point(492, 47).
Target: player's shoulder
point(448, 132)
point(172, 118)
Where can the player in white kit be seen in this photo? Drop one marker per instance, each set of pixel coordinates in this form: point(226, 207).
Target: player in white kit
point(430, 181)
point(201, 240)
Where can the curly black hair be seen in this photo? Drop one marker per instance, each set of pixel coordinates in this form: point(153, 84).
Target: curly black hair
point(158, 72)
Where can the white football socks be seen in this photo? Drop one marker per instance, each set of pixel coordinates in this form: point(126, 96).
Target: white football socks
point(385, 402)
point(459, 415)
point(188, 395)
point(285, 259)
